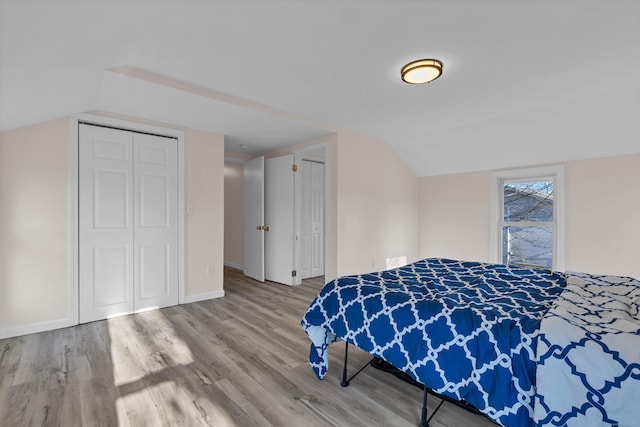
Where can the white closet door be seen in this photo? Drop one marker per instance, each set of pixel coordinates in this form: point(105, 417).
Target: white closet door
point(155, 233)
point(106, 222)
point(128, 219)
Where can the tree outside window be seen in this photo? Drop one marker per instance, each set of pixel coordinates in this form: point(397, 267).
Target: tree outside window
point(528, 222)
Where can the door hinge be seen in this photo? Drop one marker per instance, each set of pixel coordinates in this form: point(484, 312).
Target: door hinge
point(294, 167)
point(294, 273)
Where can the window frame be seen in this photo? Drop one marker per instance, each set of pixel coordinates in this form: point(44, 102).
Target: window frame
point(555, 173)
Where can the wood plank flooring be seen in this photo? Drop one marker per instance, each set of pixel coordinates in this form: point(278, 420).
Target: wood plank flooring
point(240, 360)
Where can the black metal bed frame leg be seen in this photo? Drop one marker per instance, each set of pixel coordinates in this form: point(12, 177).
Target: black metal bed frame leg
point(423, 419)
point(345, 382)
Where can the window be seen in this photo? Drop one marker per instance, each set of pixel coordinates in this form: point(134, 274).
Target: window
point(528, 218)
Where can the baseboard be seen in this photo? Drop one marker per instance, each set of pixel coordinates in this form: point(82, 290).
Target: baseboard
point(234, 265)
point(203, 296)
point(34, 328)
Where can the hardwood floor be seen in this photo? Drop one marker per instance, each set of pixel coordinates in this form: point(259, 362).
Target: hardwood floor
point(240, 360)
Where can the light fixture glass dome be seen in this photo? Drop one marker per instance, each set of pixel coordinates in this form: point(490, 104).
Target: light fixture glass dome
point(421, 71)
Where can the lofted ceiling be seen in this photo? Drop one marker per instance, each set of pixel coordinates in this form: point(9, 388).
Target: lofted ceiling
point(525, 82)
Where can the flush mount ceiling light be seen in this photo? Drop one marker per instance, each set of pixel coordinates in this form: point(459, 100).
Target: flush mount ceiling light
point(421, 71)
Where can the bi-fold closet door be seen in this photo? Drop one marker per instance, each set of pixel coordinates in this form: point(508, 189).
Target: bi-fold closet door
point(128, 222)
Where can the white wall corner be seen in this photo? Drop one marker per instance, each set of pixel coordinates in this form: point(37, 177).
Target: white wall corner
point(234, 265)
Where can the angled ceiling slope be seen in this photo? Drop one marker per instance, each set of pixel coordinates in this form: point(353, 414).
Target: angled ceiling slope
point(249, 127)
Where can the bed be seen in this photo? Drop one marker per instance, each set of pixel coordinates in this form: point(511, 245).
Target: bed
point(466, 330)
point(588, 372)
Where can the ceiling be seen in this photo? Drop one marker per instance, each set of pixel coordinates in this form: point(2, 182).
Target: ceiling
point(525, 82)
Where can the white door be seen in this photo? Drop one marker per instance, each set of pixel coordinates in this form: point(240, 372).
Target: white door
point(312, 219)
point(128, 230)
point(105, 222)
point(155, 208)
point(317, 219)
point(253, 233)
point(304, 237)
point(279, 218)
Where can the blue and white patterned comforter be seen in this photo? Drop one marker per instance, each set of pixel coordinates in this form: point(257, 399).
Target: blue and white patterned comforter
point(467, 330)
point(589, 355)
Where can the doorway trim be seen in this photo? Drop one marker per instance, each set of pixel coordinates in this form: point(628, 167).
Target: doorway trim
point(74, 123)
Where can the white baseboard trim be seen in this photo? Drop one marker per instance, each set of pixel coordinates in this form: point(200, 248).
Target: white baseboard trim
point(34, 328)
point(234, 265)
point(204, 296)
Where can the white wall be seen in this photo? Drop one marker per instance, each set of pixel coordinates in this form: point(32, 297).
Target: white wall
point(602, 205)
point(34, 226)
point(377, 205)
point(233, 214)
point(603, 215)
point(455, 216)
point(35, 264)
point(204, 220)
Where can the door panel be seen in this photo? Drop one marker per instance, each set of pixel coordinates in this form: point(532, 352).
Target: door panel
point(111, 266)
point(111, 200)
point(312, 220)
point(279, 217)
point(154, 273)
point(155, 221)
point(305, 220)
point(253, 212)
point(105, 222)
point(317, 219)
point(107, 145)
point(154, 201)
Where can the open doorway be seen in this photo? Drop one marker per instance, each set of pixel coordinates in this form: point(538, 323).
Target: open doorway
point(306, 244)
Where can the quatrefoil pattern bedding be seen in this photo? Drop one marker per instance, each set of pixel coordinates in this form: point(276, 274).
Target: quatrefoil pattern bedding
point(588, 372)
point(467, 330)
